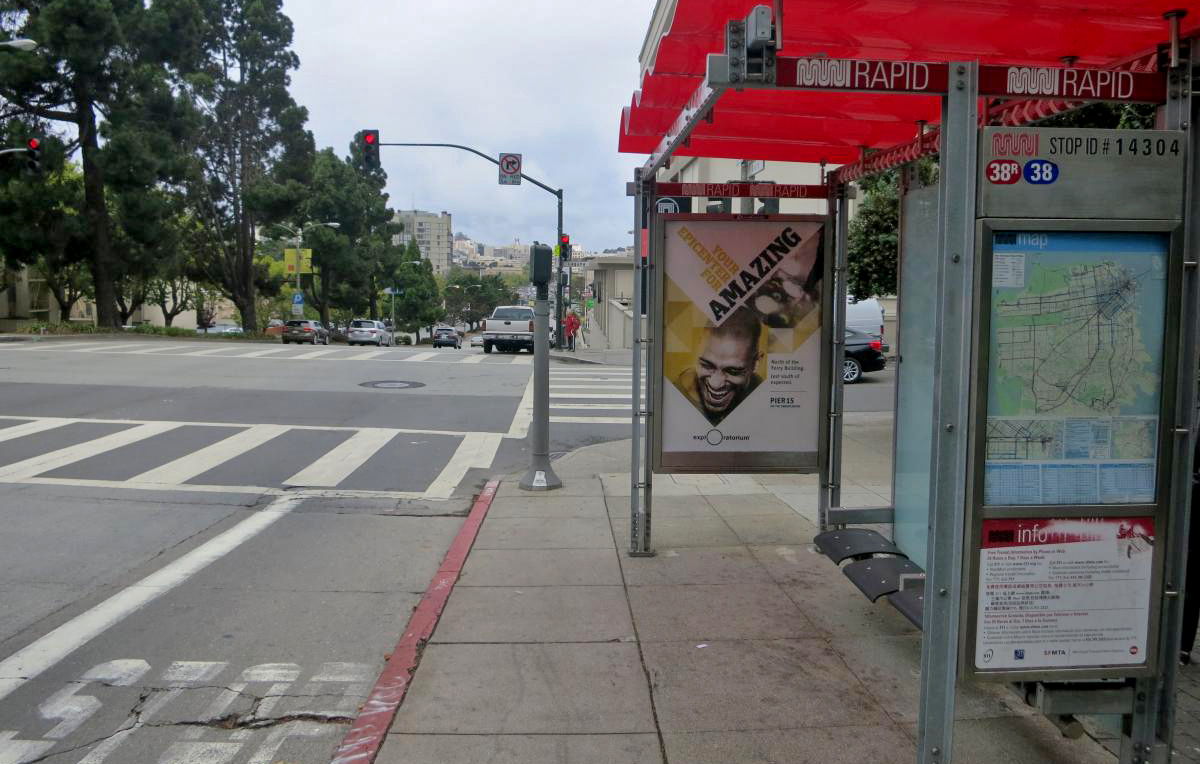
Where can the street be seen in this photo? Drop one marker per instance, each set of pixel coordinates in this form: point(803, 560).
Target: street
point(211, 546)
point(207, 540)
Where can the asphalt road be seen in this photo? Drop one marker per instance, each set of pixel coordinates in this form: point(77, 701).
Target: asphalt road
point(209, 547)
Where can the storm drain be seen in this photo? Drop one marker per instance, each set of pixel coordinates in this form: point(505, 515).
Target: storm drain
point(392, 384)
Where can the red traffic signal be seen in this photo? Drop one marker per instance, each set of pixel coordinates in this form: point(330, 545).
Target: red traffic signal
point(34, 144)
point(33, 155)
point(565, 239)
point(564, 246)
point(370, 148)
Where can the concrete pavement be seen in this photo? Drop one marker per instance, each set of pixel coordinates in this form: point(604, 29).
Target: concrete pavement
point(736, 643)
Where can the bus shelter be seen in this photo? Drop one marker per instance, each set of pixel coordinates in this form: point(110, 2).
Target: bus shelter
point(1046, 403)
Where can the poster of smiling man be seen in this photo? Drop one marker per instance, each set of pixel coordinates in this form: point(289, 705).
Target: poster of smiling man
point(742, 304)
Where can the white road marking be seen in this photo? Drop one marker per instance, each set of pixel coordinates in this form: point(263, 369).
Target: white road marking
point(31, 428)
point(158, 349)
point(106, 347)
point(473, 359)
point(132, 724)
point(589, 387)
point(421, 356)
point(200, 753)
point(73, 709)
point(336, 465)
point(626, 396)
point(254, 490)
point(522, 359)
point(207, 351)
point(476, 450)
point(366, 355)
point(185, 423)
point(276, 737)
point(608, 406)
point(315, 353)
point(13, 751)
point(589, 420)
point(120, 673)
point(261, 353)
point(519, 427)
point(198, 462)
point(36, 465)
point(56, 346)
point(193, 672)
point(31, 661)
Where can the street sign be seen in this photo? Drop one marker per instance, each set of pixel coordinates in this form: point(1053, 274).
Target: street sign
point(510, 169)
point(294, 257)
point(297, 303)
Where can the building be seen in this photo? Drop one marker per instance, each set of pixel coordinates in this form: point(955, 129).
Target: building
point(433, 233)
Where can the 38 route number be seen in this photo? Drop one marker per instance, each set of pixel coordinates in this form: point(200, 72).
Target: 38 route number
point(1003, 171)
point(1040, 171)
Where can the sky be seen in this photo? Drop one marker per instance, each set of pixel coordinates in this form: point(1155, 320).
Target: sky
point(543, 78)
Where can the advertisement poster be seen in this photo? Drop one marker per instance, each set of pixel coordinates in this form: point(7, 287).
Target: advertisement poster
point(1064, 593)
point(741, 344)
point(1075, 367)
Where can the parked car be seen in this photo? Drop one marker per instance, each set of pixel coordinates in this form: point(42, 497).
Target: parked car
point(865, 316)
point(304, 330)
point(364, 331)
point(864, 353)
point(445, 336)
point(274, 327)
point(477, 341)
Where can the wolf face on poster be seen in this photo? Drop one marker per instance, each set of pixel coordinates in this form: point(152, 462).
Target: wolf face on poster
point(741, 341)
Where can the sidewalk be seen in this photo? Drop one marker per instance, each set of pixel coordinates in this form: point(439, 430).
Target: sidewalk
point(594, 348)
point(736, 643)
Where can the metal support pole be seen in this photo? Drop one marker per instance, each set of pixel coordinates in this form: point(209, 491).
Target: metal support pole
point(558, 302)
point(1150, 730)
point(951, 417)
point(540, 476)
point(838, 355)
point(640, 473)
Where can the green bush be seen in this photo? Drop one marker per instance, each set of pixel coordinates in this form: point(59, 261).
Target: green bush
point(163, 331)
point(71, 328)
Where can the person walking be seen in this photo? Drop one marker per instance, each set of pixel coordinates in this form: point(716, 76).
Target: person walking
point(571, 326)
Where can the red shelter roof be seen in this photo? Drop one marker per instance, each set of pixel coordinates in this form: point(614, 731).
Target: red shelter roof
point(810, 126)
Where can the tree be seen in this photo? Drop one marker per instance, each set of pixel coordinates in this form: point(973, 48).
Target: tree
point(253, 154)
point(419, 302)
point(102, 64)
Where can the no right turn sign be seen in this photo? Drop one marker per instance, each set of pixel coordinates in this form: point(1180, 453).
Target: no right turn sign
point(510, 169)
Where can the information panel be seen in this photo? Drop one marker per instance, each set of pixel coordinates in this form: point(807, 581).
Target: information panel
point(1058, 593)
point(741, 344)
point(1074, 367)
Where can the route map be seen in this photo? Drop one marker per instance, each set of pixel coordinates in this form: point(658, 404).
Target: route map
point(1075, 367)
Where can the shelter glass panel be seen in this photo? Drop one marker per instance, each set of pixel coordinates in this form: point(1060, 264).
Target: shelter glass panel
point(914, 399)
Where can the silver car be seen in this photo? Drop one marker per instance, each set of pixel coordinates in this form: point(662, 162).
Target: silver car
point(363, 331)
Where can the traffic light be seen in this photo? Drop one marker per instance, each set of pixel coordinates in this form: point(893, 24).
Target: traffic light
point(564, 243)
point(33, 149)
point(370, 147)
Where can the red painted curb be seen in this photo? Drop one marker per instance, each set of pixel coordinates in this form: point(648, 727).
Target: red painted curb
point(365, 737)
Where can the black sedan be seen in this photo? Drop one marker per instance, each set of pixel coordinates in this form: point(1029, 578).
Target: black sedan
point(864, 353)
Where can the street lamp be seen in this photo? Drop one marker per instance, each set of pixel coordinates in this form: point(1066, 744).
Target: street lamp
point(23, 44)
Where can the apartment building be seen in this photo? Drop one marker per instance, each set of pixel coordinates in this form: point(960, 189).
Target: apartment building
point(433, 233)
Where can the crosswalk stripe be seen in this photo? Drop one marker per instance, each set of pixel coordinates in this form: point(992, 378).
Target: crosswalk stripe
point(206, 351)
point(315, 353)
point(164, 349)
point(624, 396)
point(54, 345)
point(473, 359)
point(475, 450)
point(581, 406)
point(198, 462)
point(367, 355)
point(107, 347)
point(36, 465)
point(336, 465)
point(522, 359)
point(31, 428)
point(260, 353)
point(589, 420)
point(588, 387)
point(420, 356)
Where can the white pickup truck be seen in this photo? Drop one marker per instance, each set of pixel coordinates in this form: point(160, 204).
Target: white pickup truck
point(509, 328)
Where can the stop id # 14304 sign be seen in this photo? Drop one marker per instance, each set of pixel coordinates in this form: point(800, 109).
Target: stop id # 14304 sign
point(1058, 593)
point(741, 354)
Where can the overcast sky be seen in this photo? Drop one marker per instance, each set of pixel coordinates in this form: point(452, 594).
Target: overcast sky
point(543, 78)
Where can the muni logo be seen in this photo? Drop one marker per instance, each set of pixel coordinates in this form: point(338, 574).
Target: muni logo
point(1015, 144)
point(1029, 80)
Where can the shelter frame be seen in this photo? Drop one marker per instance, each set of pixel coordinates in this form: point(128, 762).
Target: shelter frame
point(1149, 719)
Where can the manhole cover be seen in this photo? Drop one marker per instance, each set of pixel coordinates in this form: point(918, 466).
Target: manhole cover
point(392, 384)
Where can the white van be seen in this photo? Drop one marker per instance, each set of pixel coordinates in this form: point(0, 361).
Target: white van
point(864, 315)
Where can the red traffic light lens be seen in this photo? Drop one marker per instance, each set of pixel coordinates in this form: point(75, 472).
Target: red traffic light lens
point(565, 239)
point(369, 138)
point(34, 143)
